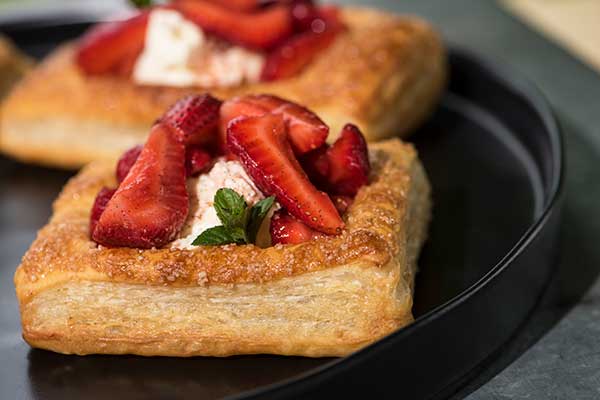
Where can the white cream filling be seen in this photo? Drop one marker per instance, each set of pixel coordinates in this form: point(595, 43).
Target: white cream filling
point(202, 190)
point(178, 53)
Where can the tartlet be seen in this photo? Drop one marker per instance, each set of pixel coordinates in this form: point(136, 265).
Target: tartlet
point(96, 281)
point(384, 73)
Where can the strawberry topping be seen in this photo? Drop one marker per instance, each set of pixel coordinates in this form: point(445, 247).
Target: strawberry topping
point(348, 162)
point(316, 165)
point(292, 56)
point(261, 30)
point(305, 129)
point(342, 203)
point(342, 168)
point(286, 229)
point(110, 47)
point(197, 160)
point(102, 198)
point(263, 149)
point(239, 5)
point(151, 204)
point(234, 108)
point(195, 118)
point(126, 162)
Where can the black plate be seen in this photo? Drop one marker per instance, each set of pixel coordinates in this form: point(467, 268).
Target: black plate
point(493, 153)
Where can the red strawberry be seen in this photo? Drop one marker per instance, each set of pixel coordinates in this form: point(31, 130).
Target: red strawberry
point(102, 198)
point(306, 16)
point(239, 5)
point(303, 13)
point(261, 30)
point(316, 165)
point(286, 229)
point(195, 118)
point(107, 47)
point(151, 204)
point(342, 203)
point(197, 160)
point(125, 67)
point(234, 108)
point(262, 147)
point(292, 56)
point(306, 130)
point(126, 162)
point(348, 162)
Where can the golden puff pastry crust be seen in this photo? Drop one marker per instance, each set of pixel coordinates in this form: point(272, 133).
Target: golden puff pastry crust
point(384, 74)
point(13, 65)
point(326, 297)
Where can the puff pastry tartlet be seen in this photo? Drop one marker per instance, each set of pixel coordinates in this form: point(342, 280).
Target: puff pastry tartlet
point(326, 296)
point(13, 65)
point(384, 73)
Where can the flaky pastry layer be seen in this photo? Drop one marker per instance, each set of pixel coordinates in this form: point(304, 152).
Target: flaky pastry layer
point(384, 74)
point(321, 298)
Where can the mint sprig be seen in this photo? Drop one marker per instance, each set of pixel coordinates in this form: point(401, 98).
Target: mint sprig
point(141, 3)
point(240, 223)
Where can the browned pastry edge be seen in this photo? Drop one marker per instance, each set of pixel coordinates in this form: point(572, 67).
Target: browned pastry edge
point(220, 301)
point(13, 65)
point(385, 74)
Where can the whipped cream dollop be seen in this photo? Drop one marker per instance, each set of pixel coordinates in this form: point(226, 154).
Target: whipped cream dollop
point(202, 190)
point(178, 53)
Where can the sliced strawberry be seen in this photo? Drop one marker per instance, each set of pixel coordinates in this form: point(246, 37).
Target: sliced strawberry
point(195, 118)
point(108, 47)
point(342, 203)
point(151, 204)
point(292, 56)
point(286, 229)
point(239, 5)
point(102, 198)
point(316, 166)
point(306, 16)
point(197, 160)
point(262, 147)
point(234, 108)
point(306, 130)
point(348, 162)
point(125, 67)
point(126, 162)
point(261, 30)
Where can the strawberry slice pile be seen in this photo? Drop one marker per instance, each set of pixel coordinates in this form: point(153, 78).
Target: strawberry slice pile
point(318, 29)
point(110, 47)
point(281, 146)
point(342, 168)
point(262, 145)
point(290, 33)
point(306, 130)
point(150, 205)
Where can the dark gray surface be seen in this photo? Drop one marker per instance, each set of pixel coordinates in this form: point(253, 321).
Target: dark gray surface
point(565, 363)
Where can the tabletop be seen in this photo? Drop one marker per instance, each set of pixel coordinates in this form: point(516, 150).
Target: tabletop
point(556, 355)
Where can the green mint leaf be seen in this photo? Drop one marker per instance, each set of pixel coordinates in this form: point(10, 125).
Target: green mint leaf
point(141, 3)
point(239, 235)
point(215, 236)
point(231, 208)
point(258, 212)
